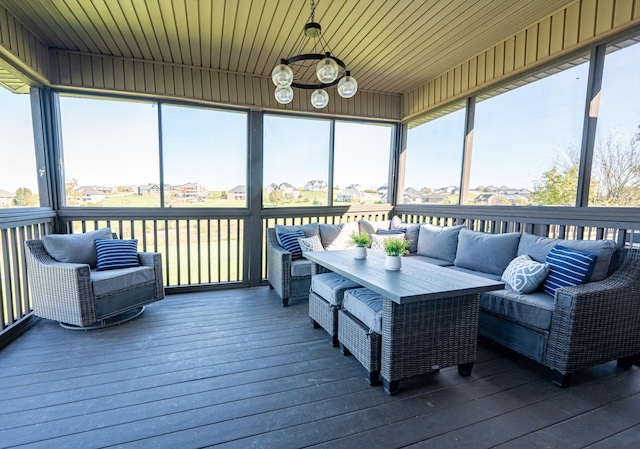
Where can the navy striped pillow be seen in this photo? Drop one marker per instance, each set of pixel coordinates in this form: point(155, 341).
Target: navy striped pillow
point(114, 254)
point(567, 267)
point(289, 241)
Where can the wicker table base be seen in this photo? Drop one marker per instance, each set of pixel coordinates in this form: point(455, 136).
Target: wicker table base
point(426, 336)
point(430, 314)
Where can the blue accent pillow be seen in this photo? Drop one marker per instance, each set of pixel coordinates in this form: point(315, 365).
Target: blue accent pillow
point(114, 254)
point(289, 241)
point(567, 267)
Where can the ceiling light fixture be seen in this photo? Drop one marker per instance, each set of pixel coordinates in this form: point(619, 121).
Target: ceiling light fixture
point(301, 70)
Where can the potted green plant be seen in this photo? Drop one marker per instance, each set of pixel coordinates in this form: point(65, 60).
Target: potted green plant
point(360, 241)
point(395, 247)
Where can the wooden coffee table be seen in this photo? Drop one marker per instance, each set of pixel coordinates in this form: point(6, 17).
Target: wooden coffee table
point(430, 313)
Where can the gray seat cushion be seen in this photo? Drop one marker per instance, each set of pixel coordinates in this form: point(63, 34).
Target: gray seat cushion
point(534, 309)
point(337, 236)
point(430, 260)
point(331, 287)
point(486, 252)
point(371, 227)
point(300, 267)
point(438, 242)
point(538, 247)
point(75, 248)
point(482, 274)
point(111, 281)
point(309, 230)
point(365, 305)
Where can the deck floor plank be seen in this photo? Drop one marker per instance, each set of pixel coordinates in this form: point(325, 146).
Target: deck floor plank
point(235, 369)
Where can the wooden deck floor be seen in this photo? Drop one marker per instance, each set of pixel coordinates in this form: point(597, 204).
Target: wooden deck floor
point(235, 369)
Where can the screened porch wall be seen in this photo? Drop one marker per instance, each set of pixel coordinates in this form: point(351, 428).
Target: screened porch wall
point(578, 25)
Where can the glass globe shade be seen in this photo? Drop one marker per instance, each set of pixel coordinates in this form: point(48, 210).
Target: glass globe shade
point(347, 87)
point(284, 94)
point(327, 70)
point(282, 75)
point(319, 98)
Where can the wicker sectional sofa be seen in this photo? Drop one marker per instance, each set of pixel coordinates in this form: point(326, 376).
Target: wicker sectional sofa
point(576, 327)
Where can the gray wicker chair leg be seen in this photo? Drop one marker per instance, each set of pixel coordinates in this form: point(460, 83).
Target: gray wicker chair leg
point(625, 362)
point(559, 379)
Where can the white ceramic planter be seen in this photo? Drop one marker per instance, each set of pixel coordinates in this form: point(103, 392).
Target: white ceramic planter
point(360, 252)
point(393, 263)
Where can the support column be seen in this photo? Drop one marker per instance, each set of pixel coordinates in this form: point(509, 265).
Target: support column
point(253, 234)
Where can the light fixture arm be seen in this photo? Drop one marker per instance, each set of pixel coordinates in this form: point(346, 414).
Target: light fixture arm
point(318, 57)
point(315, 69)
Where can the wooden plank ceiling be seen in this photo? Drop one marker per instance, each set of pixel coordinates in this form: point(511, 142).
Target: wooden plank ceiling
point(389, 46)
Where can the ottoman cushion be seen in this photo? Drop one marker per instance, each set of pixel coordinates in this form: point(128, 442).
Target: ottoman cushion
point(331, 287)
point(365, 305)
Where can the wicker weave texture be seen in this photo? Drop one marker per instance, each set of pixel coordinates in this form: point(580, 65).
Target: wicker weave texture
point(597, 322)
point(425, 336)
point(323, 313)
point(363, 344)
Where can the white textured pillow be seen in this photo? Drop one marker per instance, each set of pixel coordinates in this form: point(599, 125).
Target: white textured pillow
point(524, 275)
point(310, 244)
point(377, 241)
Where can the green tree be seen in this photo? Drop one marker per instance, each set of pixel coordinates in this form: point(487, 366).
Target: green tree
point(73, 196)
point(25, 197)
point(557, 186)
point(276, 197)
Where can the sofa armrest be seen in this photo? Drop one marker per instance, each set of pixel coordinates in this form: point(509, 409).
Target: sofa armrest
point(278, 264)
point(596, 322)
point(154, 260)
point(60, 291)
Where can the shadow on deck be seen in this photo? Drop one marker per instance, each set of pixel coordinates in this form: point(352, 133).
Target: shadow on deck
point(236, 369)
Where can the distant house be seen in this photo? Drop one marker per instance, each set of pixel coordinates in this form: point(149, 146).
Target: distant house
point(6, 198)
point(355, 187)
point(289, 190)
point(149, 189)
point(414, 196)
point(489, 198)
point(191, 190)
point(436, 198)
point(350, 196)
point(383, 190)
point(239, 193)
point(449, 190)
point(106, 189)
point(270, 188)
point(316, 185)
point(90, 195)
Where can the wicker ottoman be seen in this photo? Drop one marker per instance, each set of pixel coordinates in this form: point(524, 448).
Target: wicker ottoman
point(325, 298)
point(360, 328)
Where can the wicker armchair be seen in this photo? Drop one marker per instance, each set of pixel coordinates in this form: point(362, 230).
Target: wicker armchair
point(65, 292)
